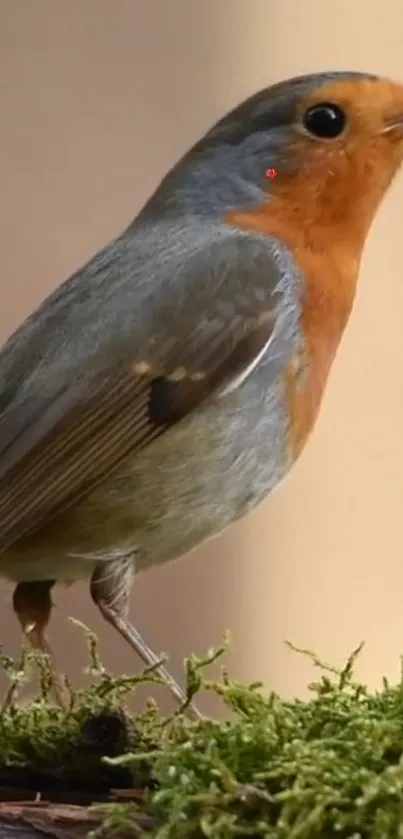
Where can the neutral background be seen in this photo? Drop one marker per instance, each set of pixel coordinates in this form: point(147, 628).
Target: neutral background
point(98, 98)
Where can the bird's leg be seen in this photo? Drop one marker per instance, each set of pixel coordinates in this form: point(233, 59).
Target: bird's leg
point(110, 589)
point(32, 605)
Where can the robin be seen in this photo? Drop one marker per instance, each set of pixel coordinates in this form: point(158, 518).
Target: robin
point(167, 387)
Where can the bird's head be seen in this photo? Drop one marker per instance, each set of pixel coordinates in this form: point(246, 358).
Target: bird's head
point(329, 143)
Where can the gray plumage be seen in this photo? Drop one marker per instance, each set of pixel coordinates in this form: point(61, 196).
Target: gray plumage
point(143, 405)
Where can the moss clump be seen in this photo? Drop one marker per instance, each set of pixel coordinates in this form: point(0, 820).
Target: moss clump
point(54, 751)
point(328, 767)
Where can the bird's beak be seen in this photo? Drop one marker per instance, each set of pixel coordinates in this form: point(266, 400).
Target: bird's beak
point(395, 122)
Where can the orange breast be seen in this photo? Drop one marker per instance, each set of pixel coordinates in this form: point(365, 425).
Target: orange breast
point(328, 260)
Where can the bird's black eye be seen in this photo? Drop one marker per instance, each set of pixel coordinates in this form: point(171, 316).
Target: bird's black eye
point(325, 120)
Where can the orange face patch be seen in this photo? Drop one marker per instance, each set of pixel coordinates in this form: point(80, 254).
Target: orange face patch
point(322, 212)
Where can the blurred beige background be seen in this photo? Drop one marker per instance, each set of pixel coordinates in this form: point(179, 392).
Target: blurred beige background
point(98, 98)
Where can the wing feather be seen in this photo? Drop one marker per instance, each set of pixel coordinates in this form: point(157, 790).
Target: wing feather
point(57, 446)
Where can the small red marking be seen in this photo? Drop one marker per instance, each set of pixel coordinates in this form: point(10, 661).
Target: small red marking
point(271, 173)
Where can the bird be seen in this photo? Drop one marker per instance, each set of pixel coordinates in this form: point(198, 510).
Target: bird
point(167, 387)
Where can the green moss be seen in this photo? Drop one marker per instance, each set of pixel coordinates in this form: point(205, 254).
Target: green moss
point(52, 750)
point(331, 766)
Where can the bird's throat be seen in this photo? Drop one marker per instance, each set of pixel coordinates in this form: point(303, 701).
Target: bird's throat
point(328, 264)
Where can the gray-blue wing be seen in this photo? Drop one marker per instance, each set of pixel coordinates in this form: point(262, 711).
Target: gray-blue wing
point(66, 425)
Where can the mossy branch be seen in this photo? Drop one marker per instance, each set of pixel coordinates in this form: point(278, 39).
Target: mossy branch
point(328, 767)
